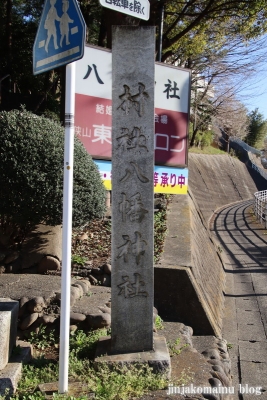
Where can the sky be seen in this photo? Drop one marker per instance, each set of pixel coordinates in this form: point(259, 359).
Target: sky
point(253, 92)
point(256, 95)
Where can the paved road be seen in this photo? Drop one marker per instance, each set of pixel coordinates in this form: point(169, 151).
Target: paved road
point(244, 249)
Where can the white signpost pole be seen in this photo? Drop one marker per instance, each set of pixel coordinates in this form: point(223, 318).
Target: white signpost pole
point(67, 228)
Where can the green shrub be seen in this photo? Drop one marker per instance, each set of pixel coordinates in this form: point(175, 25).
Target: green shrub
point(31, 175)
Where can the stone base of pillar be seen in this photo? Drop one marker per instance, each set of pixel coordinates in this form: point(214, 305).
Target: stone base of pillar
point(158, 359)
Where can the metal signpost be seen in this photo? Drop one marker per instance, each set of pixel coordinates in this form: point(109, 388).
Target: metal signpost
point(59, 41)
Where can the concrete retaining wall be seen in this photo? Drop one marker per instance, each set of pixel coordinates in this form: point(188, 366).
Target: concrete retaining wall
point(189, 280)
point(217, 180)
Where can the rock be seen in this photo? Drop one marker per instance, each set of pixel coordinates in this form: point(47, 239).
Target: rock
point(215, 362)
point(75, 318)
point(23, 306)
point(93, 280)
point(225, 356)
point(212, 354)
point(82, 237)
point(58, 295)
point(97, 321)
point(187, 330)
point(97, 271)
point(88, 264)
point(48, 263)
point(85, 285)
point(74, 294)
point(218, 368)
point(11, 257)
point(222, 345)
point(108, 304)
point(75, 285)
point(105, 310)
point(73, 328)
point(36, 305)
point(226, 366)
point(222, 377)
point(47, 319)
point(28, 321)
point(76, 291)
point(105, 280)
point(2, 269)
point(23, 301)
point(42, 241)
point(187, 339)
point(107, 269)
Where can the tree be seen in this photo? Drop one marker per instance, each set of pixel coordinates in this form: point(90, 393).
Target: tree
point(31, 176)
point(193, 30)
point(18, 26)
point(231, 120)
point(257, 129)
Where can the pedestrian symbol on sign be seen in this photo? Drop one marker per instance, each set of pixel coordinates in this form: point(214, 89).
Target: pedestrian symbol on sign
point(60, 37)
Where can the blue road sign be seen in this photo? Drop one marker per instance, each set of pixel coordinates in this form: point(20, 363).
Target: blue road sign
point(60, 37)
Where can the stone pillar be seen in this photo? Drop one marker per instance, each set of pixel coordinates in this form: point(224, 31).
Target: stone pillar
point(8, 329)
point(132, 297)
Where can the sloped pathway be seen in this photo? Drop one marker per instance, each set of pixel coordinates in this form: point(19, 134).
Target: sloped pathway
point(243, 244)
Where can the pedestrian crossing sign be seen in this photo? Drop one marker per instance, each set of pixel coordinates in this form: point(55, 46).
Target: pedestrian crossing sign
point(60, 37)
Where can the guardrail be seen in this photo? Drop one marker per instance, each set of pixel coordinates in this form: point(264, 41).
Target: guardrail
point(259, 170)
point(244, 145)
point(250, 150)
point(260, 206)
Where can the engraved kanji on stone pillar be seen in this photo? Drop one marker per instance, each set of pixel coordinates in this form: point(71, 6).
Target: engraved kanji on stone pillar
point(132, 296)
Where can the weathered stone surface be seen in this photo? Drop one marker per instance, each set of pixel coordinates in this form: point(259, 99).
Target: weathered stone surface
point(105, 280)
point(107, 269)
point(92, 279)
point(48, 263)
point(75, 318)
point(96, 321)
point(85, 285)
point(36, 304)
point(158, 359)
point(75, 285)
point(44, 240)
point(105, 309)
point(75, 293)
point(28, 321)
point(16, 286)
point(132, 188)
point(11, 374)
point(189, 282)
point(23, 306)
point(97, 271)
point(47, 319)
point(8, 328)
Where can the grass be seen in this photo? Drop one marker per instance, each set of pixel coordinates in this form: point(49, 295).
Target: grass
point(206, 150)
point(175, 347)
point(118, 383)
point(160, 232)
